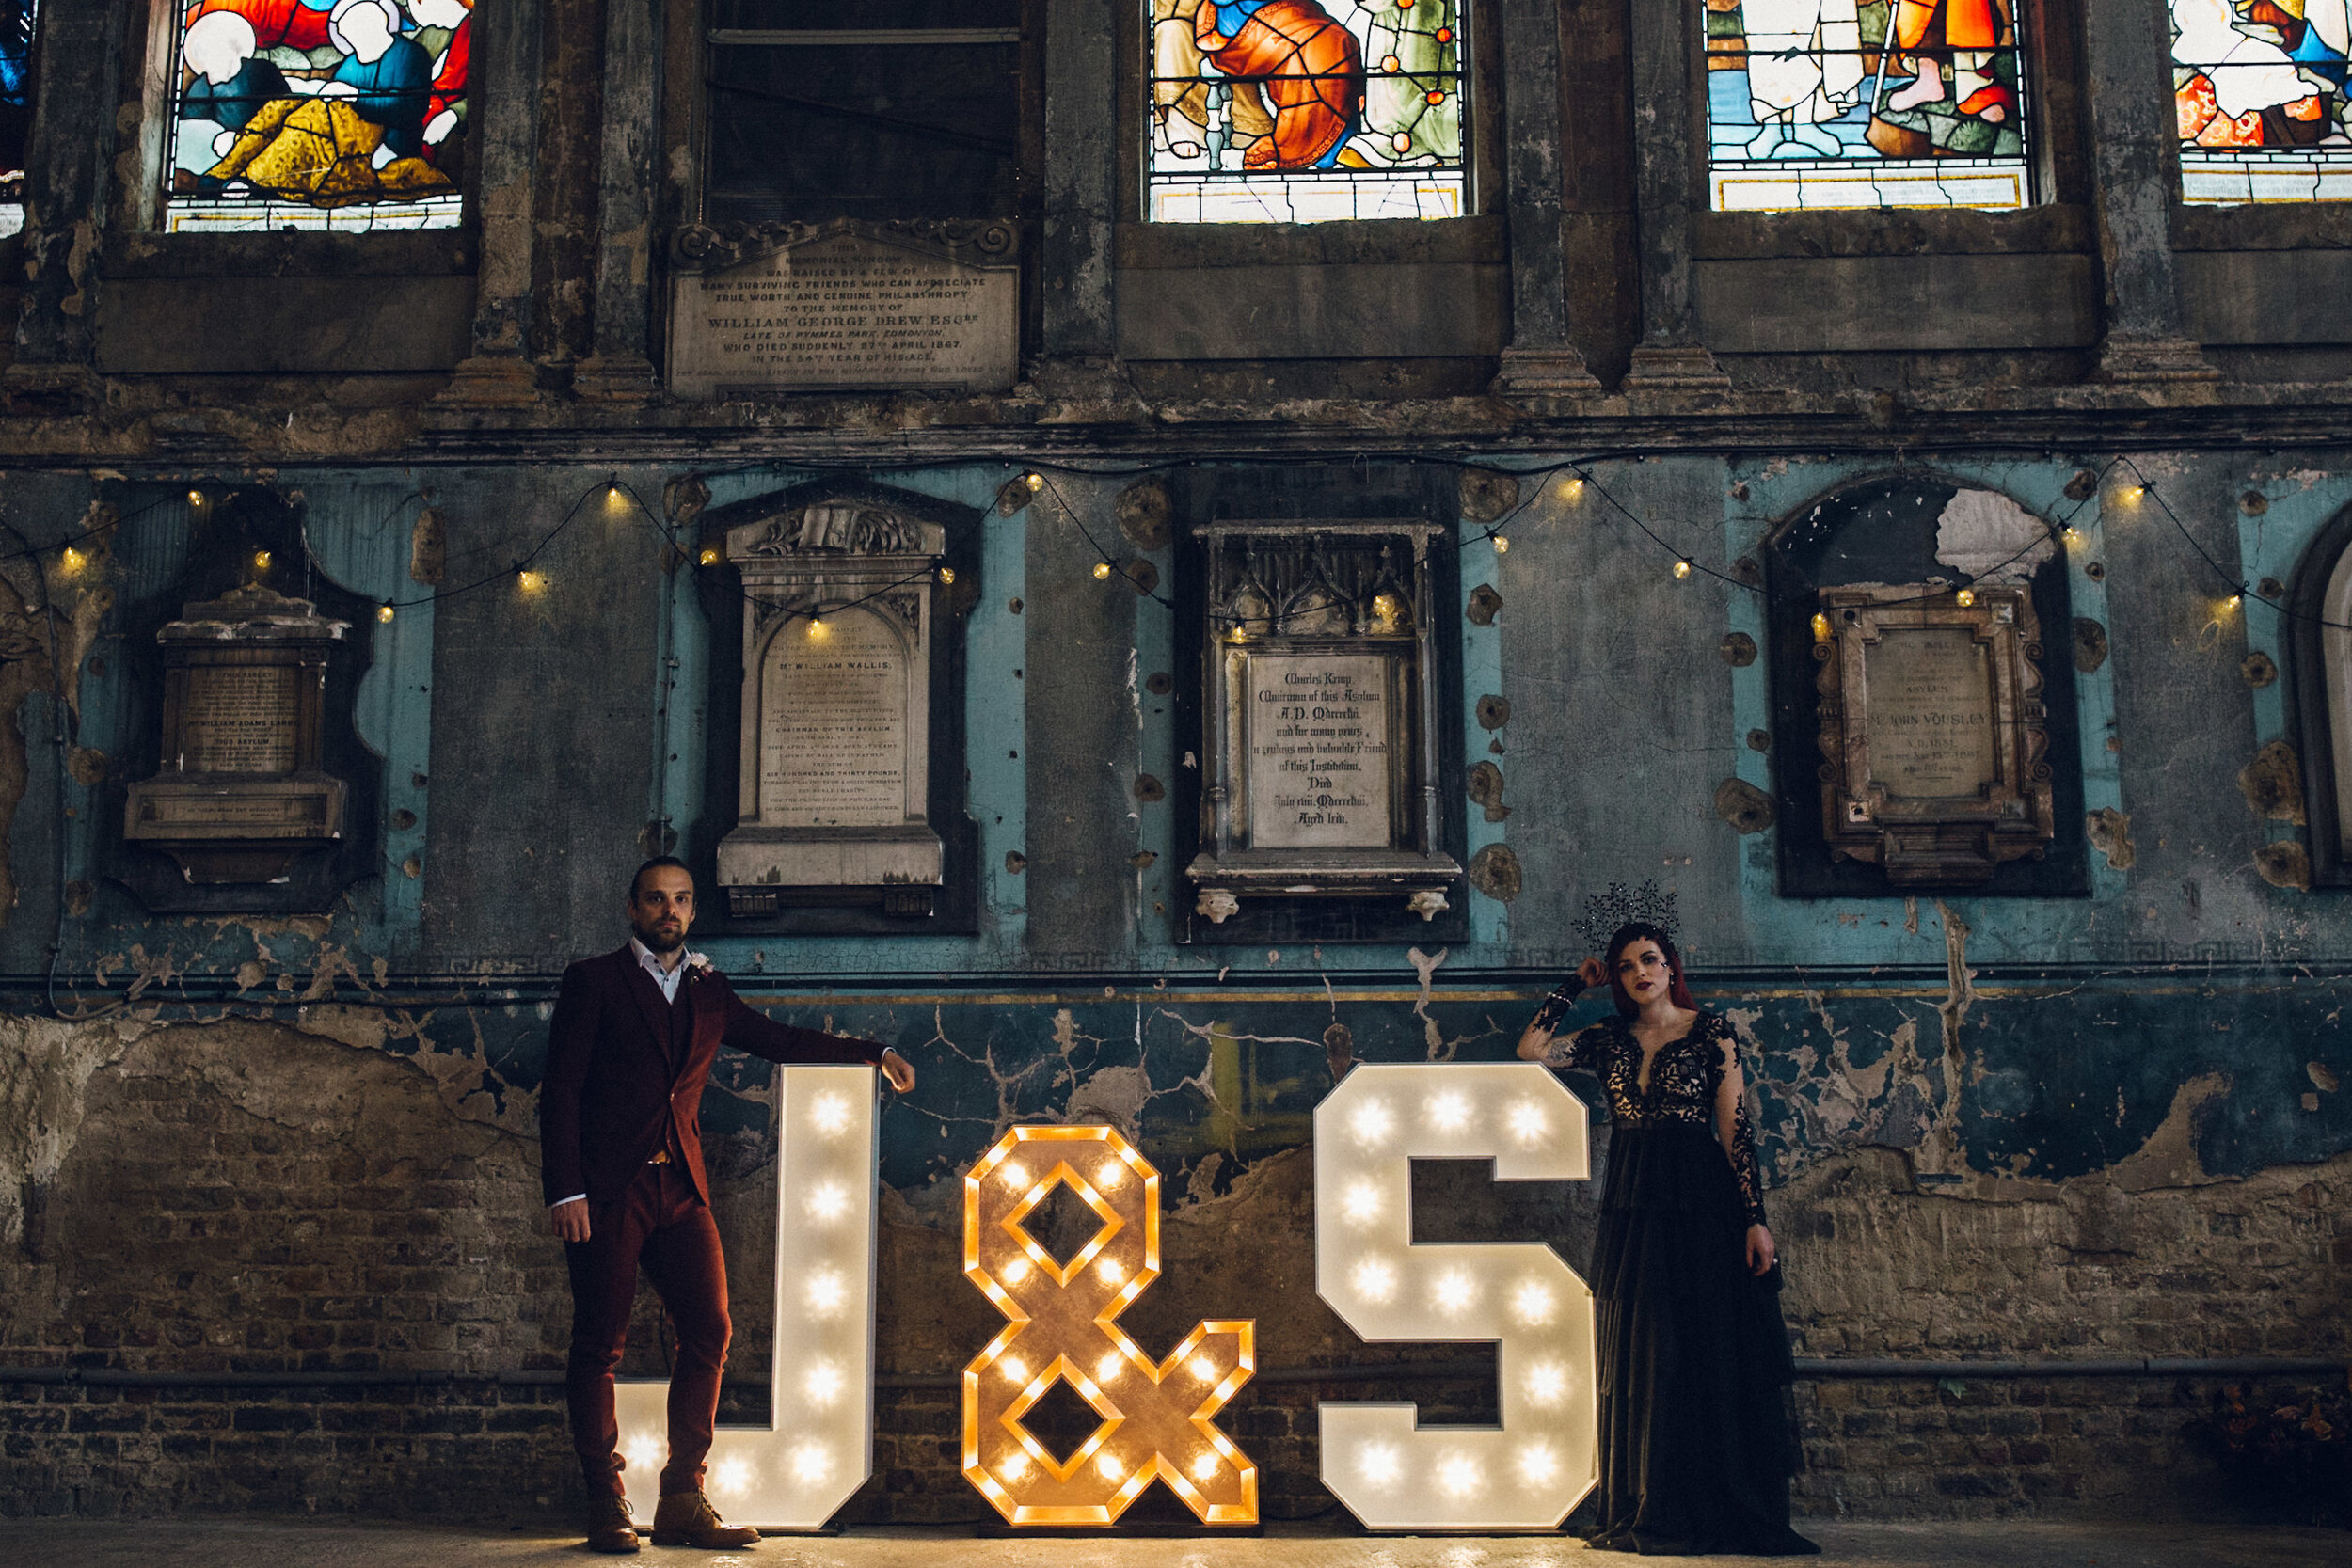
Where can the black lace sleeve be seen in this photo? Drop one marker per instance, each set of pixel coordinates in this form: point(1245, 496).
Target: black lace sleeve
point(1579, 1052)
point(1744, 1167)
point(1557, 1005)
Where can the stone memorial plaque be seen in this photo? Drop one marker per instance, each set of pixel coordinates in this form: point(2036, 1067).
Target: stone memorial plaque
point(1318, 763)
point(1929, 696)
point(832, 727)
point(240, 718)
point(844, 310)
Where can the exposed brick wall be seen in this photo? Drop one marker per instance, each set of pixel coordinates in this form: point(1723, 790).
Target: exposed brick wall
point(250, 1198)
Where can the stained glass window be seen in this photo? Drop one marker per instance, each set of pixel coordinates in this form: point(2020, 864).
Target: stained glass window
point(2259, 88)
point(16, 107)
point(319, 114)
point(1839, 103)
point(1291, 111)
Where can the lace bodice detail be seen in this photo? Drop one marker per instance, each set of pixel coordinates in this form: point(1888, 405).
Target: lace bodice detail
point(1683, 1081)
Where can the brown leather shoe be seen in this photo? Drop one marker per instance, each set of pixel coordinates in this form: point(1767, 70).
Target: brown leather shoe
point(609, 1526)
point(687, 1519)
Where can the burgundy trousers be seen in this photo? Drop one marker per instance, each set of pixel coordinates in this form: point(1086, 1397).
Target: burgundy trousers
point(659, 1224)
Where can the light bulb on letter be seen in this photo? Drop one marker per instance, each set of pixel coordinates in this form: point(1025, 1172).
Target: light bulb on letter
point(1532, 1302)
point(1527, 1122)
point(1016, 1270)
point(1111, 1175)
point(1372, 1122)
point(811, 1464)
point(827, 1291)
point(1205, 1467)
point(823, 1383)
point(1111, 1271)
point(1203, 1368)
point(1375, 1281)
point(1014, 1368)
point(1016, 1465)
point(1547, 1383)
point(1013, 1174)
point(1378, 1464)
point(1538, 1463)
point(1458, 1476)
point(1107, 1369)
point(1449, 1112)
point(1362, 1203)
point(829, 1201)
point(1454, 1289)
point(1108, 1464)
point(831, 1113)
point(731, 1475)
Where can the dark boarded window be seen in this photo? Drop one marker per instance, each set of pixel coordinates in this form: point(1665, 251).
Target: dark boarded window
point(893, 109)
point(16, 106)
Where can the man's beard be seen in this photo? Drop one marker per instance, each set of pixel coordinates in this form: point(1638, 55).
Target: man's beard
point(660, 945)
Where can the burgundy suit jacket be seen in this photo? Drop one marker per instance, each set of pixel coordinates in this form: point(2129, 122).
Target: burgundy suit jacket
point(613, 1092)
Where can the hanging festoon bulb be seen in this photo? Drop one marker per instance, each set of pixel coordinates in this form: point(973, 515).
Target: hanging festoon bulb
point(946, 577)
point(72, 559)
point(261, 562)
point(1571, 486)
point(1503, 545)
point(531, 581)
point(384, 613)
point(710, 556)
point(1822, 631)
point(195, 498)
point(1682, 570)
point(1966, 597)
point(1102, 571)
point(1034, 479)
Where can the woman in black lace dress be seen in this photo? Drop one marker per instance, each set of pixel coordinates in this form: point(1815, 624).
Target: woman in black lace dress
point(1696, 1446)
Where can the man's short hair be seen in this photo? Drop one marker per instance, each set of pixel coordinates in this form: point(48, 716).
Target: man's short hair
point(653, 864)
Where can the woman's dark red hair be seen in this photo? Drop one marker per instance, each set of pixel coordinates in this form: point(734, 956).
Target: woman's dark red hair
point(1641, 930)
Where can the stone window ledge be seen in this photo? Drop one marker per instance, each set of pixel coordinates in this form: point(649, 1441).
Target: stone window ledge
point(2288, 226)
point(442, 252)
point(1896, 231)
point(1156, 246)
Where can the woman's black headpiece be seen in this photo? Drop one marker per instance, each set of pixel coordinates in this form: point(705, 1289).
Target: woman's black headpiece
point(1605, 913)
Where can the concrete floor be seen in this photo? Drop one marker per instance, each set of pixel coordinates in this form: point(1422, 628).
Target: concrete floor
point(167, 1543)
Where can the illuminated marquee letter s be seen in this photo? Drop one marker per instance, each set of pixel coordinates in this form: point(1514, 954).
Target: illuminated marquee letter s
point(818, 1447)
point(1529, 1472)
point(1156, 1419)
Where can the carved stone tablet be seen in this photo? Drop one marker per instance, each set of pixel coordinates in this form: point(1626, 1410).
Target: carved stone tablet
point(1930, 705)
point(240, 718)
point(1318, 773)
point(833, 729)
point(846, 307)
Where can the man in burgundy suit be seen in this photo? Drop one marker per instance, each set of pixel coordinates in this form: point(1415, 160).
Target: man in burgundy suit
point(628, 1051)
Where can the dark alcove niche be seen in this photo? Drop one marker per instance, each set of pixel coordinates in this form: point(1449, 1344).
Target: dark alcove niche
point(787, 844)
point(1945, 607)
point(246, 566)
point(2318, 648)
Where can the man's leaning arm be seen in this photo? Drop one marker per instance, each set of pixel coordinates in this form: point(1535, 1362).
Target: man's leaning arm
point(571, 1042)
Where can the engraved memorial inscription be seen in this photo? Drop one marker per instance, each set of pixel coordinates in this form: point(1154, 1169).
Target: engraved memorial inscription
point(1318, 774)
point(832, 731)
point(1929, 696)
point(240, 718)
point(844, 312)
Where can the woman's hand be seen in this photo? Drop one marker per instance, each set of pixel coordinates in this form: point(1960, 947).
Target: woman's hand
point(1593, 972)
point(897, 1071)
point(1761, 1253)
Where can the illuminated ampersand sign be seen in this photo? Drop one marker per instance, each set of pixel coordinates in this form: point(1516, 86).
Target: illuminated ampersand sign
point(1529, 1471)
point(1157, 1419)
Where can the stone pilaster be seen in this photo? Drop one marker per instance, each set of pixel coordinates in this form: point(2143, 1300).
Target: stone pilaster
point(2136, 174)
point(1541, 361)
point(619, 370)
point(1666, 109)
point(505, 93)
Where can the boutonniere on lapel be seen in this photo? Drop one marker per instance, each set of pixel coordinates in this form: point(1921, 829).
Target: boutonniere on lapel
point(698, 967)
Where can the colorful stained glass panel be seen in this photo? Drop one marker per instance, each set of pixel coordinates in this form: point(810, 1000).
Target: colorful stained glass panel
point(320, 113)
point(17, 19)
point(1295, 111)
point(2259, 89)
point(1839, 103)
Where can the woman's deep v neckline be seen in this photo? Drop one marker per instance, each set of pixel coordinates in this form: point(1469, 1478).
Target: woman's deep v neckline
point(1645, 1072)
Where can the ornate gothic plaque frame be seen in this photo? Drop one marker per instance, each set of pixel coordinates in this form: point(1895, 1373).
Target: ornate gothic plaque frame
point(1934, 737)
point(846, 604)
point(1319, 717)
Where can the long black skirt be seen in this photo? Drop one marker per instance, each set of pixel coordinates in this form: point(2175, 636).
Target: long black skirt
point(1697, 1440)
